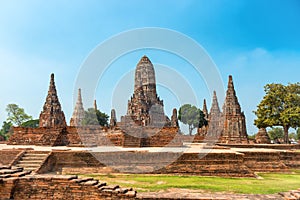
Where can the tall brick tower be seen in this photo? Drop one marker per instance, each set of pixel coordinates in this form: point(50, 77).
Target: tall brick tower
point(78, 113)
point(52, 115)
point(215, 118)
point(234, 119)
point(145, 108)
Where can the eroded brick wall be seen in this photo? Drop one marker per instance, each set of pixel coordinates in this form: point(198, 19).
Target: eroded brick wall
point(7, 156)
point(212, 164)
point(261, 161)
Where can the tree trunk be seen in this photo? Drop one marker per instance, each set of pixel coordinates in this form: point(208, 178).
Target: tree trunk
point(190, 129)
point(286, 134)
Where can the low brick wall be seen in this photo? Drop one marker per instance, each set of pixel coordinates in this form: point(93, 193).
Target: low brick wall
point(265, 146)
point(19, 185)
point(291, 158)
point(8, 156)
point(37, 136)
point(264, 161)
point(212, 164)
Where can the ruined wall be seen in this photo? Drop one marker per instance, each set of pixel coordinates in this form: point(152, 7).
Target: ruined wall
point(94, 136)
point(212, 164)
point(18, 185)
point(37, 136)
point(165, 136)
point(265, 146)
point(260, 161)
point(7, 156)
point(291, 158)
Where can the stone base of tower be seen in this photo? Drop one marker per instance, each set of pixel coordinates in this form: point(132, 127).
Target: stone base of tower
point(233, 140)
point(152, 137)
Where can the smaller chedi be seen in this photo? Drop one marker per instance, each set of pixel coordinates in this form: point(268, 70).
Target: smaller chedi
point(113, 118)
point(215, 127)
point(234, 119)
point(228, 126)
point(262, 137)
point(78, 113)
point(52, 115)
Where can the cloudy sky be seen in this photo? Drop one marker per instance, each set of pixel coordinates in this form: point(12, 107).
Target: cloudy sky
point(258, 42)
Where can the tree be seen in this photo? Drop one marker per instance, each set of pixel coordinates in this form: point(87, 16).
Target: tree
point(93, 117)
point(279, 107)
point(6, 130)
point(16, 115)
point(102, 118)
point(191, 116)
point(276, 133)
point(293, 136)
point(34, 123)
point(298, 134)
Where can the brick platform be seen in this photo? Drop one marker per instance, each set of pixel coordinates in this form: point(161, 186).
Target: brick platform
point(18, 184)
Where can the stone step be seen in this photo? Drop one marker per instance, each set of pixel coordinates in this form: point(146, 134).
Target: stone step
point(33, 158)
point(34, 155)
point(28, 165)
point(30, 162)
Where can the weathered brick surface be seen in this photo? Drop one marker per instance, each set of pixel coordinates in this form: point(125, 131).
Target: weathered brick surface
point(23, 186)
point(264, 146)
point(264, 161)
point(291, 158)
point(7, 156)
point(37, 136)
point(212, 164)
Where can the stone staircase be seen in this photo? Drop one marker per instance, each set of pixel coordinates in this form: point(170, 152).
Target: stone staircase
point(131, 141)
point(31, 161)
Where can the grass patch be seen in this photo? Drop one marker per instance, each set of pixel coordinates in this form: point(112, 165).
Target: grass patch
point(270, 183)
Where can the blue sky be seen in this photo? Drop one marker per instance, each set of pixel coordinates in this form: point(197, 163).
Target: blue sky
point(258, 42)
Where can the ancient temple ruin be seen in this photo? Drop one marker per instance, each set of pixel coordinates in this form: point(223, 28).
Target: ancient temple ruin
point(215, 127)
point(145, 107)
point(78, 113)
point(262, 137)
point(113, 118)
point(234, 130)
point(52, 114)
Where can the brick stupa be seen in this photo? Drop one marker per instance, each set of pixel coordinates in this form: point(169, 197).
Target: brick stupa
point(78, 113)
point(145, 108)
point(215, 127)
point(234, 130)
point(52, 115)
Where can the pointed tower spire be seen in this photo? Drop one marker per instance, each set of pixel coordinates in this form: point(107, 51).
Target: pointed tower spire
point(78, 113)
point(95, 105)
point(234, 119)
point(113, 118)
point(205, 111)
point(215, 109)
point(52, 114)
point(215, 118)
point(174, 118)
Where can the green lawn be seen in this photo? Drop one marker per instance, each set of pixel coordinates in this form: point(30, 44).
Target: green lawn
point(269, 183)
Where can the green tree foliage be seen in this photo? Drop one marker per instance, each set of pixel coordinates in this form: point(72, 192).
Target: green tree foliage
point(93, 117)
point(16, 115)
point(102, 118)
point(192, 116)
point(276, 133)
point(279, 107)
point(34, 123)
point(298, 134)
point(293, 136)
point(6, 130)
